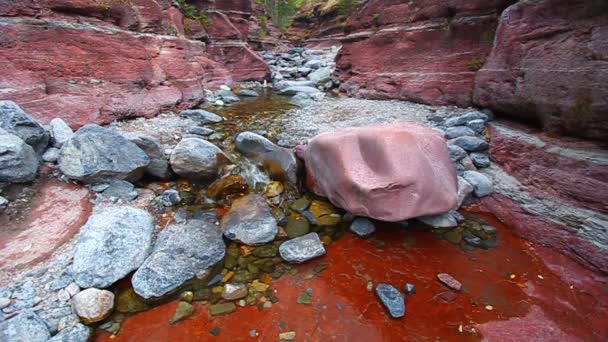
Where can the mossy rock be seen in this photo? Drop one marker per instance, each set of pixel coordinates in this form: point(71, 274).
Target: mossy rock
point(297, 226)
point(130, 302)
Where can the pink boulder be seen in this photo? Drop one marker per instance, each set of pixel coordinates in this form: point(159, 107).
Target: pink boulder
point(388, 172)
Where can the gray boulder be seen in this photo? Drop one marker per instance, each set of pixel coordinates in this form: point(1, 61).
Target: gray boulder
point(159, 165)
point(470, 144)
point(465, 118)
point(302, 248)
point(248, 93)
point(444, 220)
point(250, 221)
point(18, 160)
point(256, 146)
point(16, 121)
point(200, 116)
point(181, 252)
point(60, 132)
point(76, 333)
point(482, 184)
point(320, 76)
point(196, 158)
point(25, 327)
point(120, 189)
point(392, 300)
point(287, 84)
point(228, 96)
point(114, 242)
point(96, 154)
point(458, 131)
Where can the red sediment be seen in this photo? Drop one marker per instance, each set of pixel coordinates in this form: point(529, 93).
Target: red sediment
point(568, 298)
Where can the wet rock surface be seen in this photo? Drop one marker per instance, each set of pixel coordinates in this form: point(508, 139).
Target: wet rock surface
point(281, 162)
point(181, 252)
point(362, 227)
point(392, 300)
point(250, 221)
point(113, 242)
point(302, 248)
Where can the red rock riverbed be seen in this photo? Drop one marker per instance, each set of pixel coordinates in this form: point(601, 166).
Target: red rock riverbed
point(514, 292)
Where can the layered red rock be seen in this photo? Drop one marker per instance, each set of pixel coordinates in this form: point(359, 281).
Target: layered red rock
point(387, 172)
point(435, 49)
point(550, 65)
point(88, 62)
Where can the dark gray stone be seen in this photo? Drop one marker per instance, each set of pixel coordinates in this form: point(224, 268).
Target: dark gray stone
point(250, 221)
point(255, 145)
point(97, 154)
point(196, 158)
point(465, 118)
point(113, 242)
point(120, 189)
point(392, 300)
point(248, 93)
point(18, 160)
point(473, 241)
point(480, 160)
point(200, 116)
point(362, 227)
point(170, 198)
point(181, 252)
point(482, 185)
point(60, 132)
point(25, 327)
point(477, 125)
point(202, 131)
point(292, 90)
point(302, 248)
point(445, 220)
point(16, 121)
point(159, 165)
point(228, 96)
point(456, 152)
point(76, 333)
point(470, 144)
point(409, 289)
point(458, 131)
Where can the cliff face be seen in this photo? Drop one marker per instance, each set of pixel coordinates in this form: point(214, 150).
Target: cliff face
point(92, 61)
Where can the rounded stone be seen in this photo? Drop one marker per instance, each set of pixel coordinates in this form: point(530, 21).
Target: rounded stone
point(362, 227)
point(195, 158)
point(93, 305)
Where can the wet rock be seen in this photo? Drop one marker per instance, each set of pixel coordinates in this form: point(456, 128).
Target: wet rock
point(304, 298)
point(302, 100)
point(180, 253)
point(458, 131)
point(296, 226)
point(18, 160)
point(287, 336)
point(409, 289)
point(51, 155)
point(320, 76)
point(170, 198)
point(202, 131)
point(120, 189)
point(195, 158)
point(159, 165)
point(470, 144)
point(222, 309)
point(324, 214)
point(473, 241)
point(16, 121)
point(250, 221)
point(232, 184)
point(392, 300)
point(113, 242)
point(76, 333)
point(449, 281)
point(183, 310)
point(266, 251)
point(302, 248)
point(341, 165)
point(93, 305)
point(448, 296)
point(129, 302)
point(457, 153)
point(25, 327)
point(287, 84)
point(280, 162)
point(482, 185)
point(248, 93)
point(274, 189)
point(465, 118)
point(444, 220)
point(477, 125)
point(214, 331)
point(362, 227)
point(97, 154)
point(60, 132)
point(480, 160)
point(464, 190)
point(228, 96)
point(201, 117)
point(454, 236)
point(234, 291)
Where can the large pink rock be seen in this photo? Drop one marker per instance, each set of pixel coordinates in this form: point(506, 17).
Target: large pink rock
point(389, 172)
point(550, 64)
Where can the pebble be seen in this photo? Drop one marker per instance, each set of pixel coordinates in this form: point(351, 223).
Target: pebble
point(409, 289)
point(287, 336)
point(222, 309)
point(449, 281)
point(183, 310)
point(392, 300)
point(253, 333)
point(214, 331)
point(362, 227)
point(234, 291)
point(302, 248)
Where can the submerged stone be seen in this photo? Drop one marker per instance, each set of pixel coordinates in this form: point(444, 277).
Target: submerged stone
point(234, 291)
point(250, 221)
point(183, 310)
point(279, 161)
point(129, 302)
point(449, 281)
point(232, 184)
point(392, 300)
point(296, 226)
point(302, 248)
point(362, 227)
point(222, 309)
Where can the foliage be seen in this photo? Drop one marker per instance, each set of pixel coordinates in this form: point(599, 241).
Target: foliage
point(346, 7)
point(193, 13)
point(282, 12)
point(476, 64)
